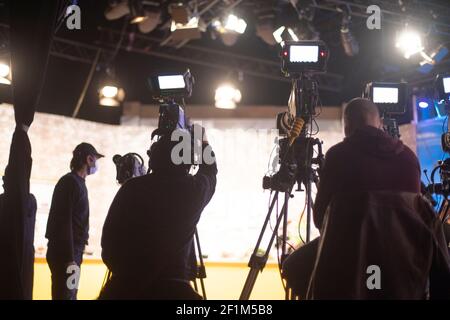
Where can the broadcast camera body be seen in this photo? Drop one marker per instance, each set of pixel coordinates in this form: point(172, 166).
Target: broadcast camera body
point(300, 61)
point(391, 100)
point(170, 90)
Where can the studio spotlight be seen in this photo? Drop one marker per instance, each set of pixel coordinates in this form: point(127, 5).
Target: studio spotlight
point(146, 19)
point(230, 28)
point(227, 96)
point(117, 10)
point(191, 30)
point(152, 20)
point(423, 104)
point(185, 25)
point(5, 73)
point(234, 24)
point(111, 96)
point(410, 43)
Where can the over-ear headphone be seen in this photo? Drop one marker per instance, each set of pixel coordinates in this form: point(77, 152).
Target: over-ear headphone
point(129, 166)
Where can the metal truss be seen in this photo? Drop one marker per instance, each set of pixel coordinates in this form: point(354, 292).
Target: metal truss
point(109, 38)
point(423, 12)
point(210, 58)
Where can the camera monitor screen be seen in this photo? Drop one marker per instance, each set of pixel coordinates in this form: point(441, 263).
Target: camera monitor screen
point(446, 82)
point(304, 54)
point(171, 82)
point(385, 95)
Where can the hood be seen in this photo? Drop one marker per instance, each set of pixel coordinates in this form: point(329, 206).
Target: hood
point(375, 142)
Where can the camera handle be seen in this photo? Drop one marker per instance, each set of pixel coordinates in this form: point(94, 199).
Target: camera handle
point(390, 126)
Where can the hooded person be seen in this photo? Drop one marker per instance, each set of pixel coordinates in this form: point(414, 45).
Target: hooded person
point(368, 159)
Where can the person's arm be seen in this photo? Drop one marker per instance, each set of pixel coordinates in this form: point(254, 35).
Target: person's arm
point(325, 189)
point(206, 178)
point(63, 203)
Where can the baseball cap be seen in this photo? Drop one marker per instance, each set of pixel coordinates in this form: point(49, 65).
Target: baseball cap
point(86, 149)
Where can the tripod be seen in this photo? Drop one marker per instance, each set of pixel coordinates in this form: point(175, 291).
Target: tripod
point(296, 163)
point(199, 269)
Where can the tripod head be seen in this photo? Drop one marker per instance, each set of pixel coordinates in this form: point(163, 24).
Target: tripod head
point(296, 150)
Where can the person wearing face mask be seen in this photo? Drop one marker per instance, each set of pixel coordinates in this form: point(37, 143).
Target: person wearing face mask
point(68, 221)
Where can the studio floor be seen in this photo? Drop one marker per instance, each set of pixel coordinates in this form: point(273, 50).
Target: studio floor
point(224, 281)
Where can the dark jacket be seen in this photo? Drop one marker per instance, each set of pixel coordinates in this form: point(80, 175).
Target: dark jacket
point(397, 232)
point(68, 220)
point(150, 225)
point(17, 221)
point(369, 160)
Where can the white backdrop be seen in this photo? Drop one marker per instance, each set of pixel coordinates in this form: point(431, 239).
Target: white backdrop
point(230, 224)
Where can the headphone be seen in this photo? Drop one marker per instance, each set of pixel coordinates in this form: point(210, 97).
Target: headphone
point(129, 166)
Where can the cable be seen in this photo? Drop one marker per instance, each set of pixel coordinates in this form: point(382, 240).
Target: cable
point(296, 130)
point(300, 223)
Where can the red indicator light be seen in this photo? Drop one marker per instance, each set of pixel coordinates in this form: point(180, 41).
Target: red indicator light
point(285, 53)
point(322, 53)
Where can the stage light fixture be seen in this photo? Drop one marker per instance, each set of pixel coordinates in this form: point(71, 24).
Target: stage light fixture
point(147, 20)
point(227, 97)
point(410, 43)
point(111, 96)
point(180, 13)
point(230, 28)
point(233, 24)
point(117, 10)
point(442, 88)
point(5, 73)
point(284, 33)
point(152, 20)
point(423, 104)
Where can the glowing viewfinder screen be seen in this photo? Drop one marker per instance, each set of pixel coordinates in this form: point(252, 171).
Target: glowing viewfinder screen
point(446, 84)
point(304, 53)
point(385, 95)
point(171, 82)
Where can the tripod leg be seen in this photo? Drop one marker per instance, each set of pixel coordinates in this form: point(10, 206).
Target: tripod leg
point(201, 270)
point(284, 240)
point(258, 262)
point(195, 285)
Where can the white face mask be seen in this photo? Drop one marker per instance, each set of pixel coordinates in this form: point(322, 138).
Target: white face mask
point(92, 170)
